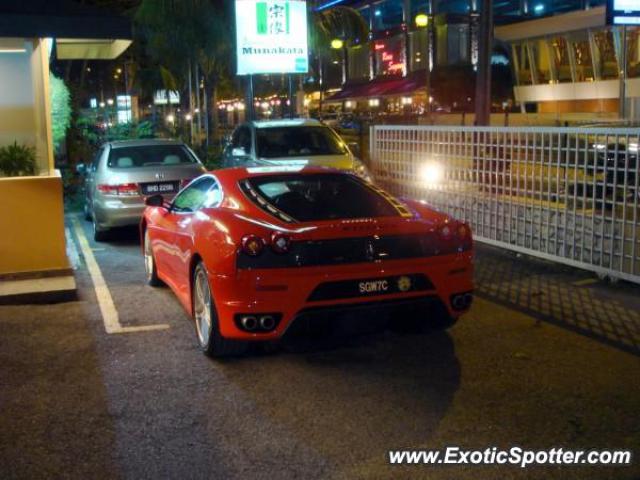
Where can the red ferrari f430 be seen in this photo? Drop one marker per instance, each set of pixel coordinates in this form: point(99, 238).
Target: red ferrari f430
point(256, 254)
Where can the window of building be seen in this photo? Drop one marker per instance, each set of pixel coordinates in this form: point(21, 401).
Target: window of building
point(418, 6)
point(387, 14)
point(521, 63)
point(605, 54)
point(633, 52)
point(560, 58)
point(389, 54)
point(540, 54)
point(418, 50)
point(365, 13)
point(458, 44)
point(579, 42)
point(358, 58)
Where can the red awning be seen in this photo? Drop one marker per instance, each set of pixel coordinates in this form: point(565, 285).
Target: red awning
point(381, 88)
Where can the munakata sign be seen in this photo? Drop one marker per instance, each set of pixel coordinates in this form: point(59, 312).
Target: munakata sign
point(271, 36)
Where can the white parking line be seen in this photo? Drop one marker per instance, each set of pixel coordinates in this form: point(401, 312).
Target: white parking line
point(108, 310)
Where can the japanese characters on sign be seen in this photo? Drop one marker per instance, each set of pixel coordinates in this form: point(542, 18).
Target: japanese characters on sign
point(271, 36)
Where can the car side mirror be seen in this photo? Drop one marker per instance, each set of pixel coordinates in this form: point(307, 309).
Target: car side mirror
point(154, 201)
point(238, 152)
point(355, 149)
point(81, 169)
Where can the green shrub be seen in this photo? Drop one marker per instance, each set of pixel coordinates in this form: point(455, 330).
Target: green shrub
point(17, 160)
point(60, 110)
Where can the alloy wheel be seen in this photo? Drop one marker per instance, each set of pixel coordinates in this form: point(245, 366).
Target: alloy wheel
point(202, 307)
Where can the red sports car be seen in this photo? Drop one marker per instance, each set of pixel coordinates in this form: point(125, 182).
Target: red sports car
point(256, 253)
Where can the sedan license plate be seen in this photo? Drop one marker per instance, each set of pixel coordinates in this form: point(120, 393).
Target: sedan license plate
point(155, 188)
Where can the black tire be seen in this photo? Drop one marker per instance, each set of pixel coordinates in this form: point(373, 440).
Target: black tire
point(87, 212)
point(150, 263)
point(211, 343)
point(99, 235)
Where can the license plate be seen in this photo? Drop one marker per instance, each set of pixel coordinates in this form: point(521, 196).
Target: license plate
point(371, 287)
point(154, 188)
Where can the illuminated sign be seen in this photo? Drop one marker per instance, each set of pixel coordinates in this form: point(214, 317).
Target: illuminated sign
point(389, 57)
point(160, 97)
point(623, 12)
point(271, 36)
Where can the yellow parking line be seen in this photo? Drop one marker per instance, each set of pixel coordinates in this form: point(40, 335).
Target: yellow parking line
point(586, 281)
point(108, 310)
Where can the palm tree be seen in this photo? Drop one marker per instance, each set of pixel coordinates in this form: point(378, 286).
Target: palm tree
point(181, 34)
point(327, 25)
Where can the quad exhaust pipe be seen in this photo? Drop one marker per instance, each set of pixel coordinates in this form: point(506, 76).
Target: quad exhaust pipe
point(257, 323)
point(267, 322)
point(249, 323)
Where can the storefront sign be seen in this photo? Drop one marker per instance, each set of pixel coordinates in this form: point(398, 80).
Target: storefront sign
point(271, 36)
point(623, 12)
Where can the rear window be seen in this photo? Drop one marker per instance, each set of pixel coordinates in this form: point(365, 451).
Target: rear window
point(149, 156)
point(283, 142)
point(316, 197)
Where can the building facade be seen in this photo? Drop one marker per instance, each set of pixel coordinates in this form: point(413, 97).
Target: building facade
point(558, 56)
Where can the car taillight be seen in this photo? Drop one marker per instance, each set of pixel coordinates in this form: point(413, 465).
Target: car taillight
point(280, 242)
point(252, 245)
point(118, 189)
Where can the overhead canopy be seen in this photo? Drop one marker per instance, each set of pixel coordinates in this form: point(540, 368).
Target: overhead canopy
point(381, 88)
point(80, 31)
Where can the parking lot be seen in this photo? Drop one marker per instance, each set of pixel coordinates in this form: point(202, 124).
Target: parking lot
point(549, 356)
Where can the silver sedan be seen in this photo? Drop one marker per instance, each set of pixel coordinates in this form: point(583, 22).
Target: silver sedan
point(122, 173)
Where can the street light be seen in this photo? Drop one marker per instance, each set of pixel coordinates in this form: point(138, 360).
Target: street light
point(110, 101)
point(422, 21)
point(338, 44)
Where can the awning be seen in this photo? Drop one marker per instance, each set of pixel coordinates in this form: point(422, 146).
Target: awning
point(80, 31)
point(381, 88)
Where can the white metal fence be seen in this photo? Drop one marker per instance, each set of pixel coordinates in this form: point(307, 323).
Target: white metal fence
point(565, 194)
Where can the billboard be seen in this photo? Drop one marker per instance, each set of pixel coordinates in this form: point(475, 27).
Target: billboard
point(623, 12)
point(271, 36)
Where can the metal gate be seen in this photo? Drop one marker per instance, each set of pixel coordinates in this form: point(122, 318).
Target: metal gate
point(565, 194)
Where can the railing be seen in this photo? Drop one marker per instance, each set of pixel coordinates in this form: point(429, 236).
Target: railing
point(565, 194)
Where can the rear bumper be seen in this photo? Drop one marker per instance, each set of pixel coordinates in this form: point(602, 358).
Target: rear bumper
point(115, 213)
point(287, 292)
point(111, 211)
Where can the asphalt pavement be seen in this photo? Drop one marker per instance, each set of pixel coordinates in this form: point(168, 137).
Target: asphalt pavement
point(548, 357)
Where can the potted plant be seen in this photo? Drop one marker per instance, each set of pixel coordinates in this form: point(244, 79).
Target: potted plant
point(17, 160)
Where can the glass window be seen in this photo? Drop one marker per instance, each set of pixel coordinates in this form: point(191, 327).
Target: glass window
point(418, 6)
point(287, 142)
point(317, 197)
point(606, 60)
point(633, 52)
point(365, 13)
point(560, 58)
point(389, 54)
point(523, 67)
point(418, 49)
point(584, 65)
point(458, 43)
point(541, 56)
point(194, 196)
point(149, 156)
point(358, 58)
point(387, 14)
